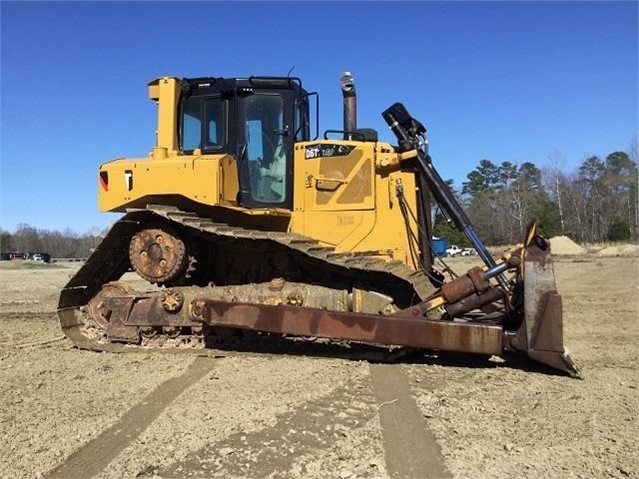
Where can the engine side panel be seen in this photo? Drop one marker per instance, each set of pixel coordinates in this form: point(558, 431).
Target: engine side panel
point(344, 200)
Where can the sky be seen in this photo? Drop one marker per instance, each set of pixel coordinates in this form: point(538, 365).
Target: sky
point(506, 81)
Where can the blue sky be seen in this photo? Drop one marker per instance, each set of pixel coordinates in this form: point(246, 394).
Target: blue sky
point(506, 81)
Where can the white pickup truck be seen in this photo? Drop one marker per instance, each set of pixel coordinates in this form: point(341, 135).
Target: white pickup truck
point(453, 250)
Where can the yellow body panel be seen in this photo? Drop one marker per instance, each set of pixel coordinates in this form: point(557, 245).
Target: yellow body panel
point(208, 180)
point(345, 202)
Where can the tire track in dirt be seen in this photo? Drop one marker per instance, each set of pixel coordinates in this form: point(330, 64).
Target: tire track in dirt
point(411, 449)
point(337, 435)
point(317, 439)
point(92, 458)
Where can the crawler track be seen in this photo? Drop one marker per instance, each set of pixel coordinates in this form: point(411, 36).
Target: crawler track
point(223, 254)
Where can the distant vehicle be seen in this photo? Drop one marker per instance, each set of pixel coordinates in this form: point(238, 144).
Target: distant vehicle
point(453, 250)
point(469, 252)
point(44, 257)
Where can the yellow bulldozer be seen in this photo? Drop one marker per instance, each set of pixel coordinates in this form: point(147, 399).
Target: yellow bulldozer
point(251, 228)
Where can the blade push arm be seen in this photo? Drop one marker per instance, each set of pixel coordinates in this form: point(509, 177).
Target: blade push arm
point(410, 134)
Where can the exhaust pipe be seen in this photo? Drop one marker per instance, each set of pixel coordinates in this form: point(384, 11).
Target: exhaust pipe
point(350, 104)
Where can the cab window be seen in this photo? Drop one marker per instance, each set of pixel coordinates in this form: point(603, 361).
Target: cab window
point(301, 120)
point(203, 124)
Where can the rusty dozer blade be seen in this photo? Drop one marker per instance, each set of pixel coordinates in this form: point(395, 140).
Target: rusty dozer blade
point(540, 334)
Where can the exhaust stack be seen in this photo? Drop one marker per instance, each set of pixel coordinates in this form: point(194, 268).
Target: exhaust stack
point(350, 104)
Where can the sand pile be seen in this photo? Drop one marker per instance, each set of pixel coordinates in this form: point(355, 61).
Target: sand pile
point(562, 245)
point(620, 250)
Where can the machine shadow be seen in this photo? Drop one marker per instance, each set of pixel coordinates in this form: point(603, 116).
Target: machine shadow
point(320, 348)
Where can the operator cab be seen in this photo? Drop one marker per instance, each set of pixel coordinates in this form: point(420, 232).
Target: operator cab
point(257, 120)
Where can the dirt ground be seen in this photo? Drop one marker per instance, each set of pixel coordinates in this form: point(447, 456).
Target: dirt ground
point(71, 413)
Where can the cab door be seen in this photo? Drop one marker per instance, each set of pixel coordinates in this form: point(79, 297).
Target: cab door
point(266, 163)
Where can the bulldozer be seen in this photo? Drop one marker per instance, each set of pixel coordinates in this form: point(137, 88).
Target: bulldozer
point(248, 226)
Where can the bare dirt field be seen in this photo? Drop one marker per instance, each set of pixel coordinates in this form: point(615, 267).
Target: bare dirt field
point(71, 413)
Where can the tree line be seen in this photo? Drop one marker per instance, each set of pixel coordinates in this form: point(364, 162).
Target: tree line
point(59, 244)
point(597, 202)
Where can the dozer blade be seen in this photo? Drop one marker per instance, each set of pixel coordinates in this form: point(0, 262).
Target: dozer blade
point(541, 334)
